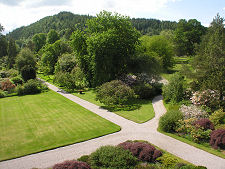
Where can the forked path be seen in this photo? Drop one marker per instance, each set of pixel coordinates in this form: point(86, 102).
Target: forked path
point(129, 131)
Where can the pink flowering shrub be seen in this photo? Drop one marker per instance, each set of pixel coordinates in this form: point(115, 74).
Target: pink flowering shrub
point(193, 111)
point(207, 97)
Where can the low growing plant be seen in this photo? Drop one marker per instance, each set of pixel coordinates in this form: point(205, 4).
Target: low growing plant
point(71, 165)
point(217, 139)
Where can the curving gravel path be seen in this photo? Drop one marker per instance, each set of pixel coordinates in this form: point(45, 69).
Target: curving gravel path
point(129, 131)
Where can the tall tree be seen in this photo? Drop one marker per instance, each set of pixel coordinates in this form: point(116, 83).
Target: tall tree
point(209, 62)
point(39, 41)
point(110, 41)
point(187, 34)
point(52, 36)
point(3, 43)
point(12, 52)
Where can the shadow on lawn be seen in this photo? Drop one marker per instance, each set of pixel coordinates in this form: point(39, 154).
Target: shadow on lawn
point(134, 105)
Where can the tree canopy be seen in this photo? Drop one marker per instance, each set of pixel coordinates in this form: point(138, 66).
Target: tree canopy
point(105, 47)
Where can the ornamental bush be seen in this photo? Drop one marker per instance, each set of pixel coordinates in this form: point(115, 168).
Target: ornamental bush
point(144, 91)
point(7, 85)
point(193, 111)
point(210, 98)
point(17, 80)
point(143, 151)
point(28, 72)
point(115, 93)
point(168, 161)
point(204, 123)
point(217, 139)
point(174, 91)
point(168, 122)
point(2, 94)
point(112, 157)
point(71, 165)
point(218, 117)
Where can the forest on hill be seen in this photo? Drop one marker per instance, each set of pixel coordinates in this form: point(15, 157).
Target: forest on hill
point(64, 23)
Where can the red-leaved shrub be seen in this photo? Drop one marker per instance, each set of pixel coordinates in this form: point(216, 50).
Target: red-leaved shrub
point(72, 165)
point(204, 123)
point(217, 139)
point(143, 151)
point(6, 85)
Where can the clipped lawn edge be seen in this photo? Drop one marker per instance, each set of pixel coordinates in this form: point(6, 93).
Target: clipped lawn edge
point(61, 146)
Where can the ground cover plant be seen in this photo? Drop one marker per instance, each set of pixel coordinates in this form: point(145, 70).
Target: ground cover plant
point(34, 123)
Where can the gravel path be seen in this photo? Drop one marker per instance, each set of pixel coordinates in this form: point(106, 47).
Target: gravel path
point(129, 131)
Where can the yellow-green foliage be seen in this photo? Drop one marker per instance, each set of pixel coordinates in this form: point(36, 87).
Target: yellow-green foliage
point(218, 117)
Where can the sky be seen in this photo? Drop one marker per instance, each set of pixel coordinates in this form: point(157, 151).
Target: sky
point(17, 13)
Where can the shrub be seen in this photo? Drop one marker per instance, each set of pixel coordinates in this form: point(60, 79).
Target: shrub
point(28, 72)
point(192, 167)
point(174, 91)
point(112, 157)
point(20, 90)
point(17, 80)
point(208, 97)
point(168, 122)
point(12, 73)
point(115, 93)
point(218, 117)
point(84, 158)
point(168, 161)
point(2, 94)
point(66, 63)
point(144, 91)
point(193, 111)
point(143, 151)
point(204, 123)
point(197, 134)
point(4, 74)
point(32, 87)
point(71, 165)
point(7, 85)
point(217, 139)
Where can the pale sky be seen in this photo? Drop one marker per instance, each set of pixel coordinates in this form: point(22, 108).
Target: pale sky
point(17, 13)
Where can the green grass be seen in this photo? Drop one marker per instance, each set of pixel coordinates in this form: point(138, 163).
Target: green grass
point(35, 123)
point(143, 113)
point(179, 61)
point(206, 147)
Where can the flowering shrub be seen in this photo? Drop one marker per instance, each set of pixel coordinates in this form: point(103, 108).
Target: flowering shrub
point(204, 123)
point(197, 134)
point(129, 79)
point(208, 97)
point(7, 85)
point(143, 151)
point(71, 165)
point(193, 111)
point(217, 139)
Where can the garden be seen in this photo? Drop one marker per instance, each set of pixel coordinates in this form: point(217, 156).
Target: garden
point(129, 154)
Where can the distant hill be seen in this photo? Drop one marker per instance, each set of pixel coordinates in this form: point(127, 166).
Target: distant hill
point(64, 23)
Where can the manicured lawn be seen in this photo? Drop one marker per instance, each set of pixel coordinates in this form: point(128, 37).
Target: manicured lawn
point(143, 113)
point(35, 123)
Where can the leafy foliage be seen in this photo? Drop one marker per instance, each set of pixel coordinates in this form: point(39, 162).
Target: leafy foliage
point(115, 93)
point(217, 139)
point(112, 157)
point(7, 85)
point(143, 151)
point(17, 80)
point(187, 34)
point(168, 122)
point(204, 123)
point(168, 161)
point(28, 72)
point(25, 58)
point(66, 63)
point(218, 117)
point(52, 36)
point(99, 61)
point(71, 165)
point(160, 48)
point(39, 41)
point(174, 91)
